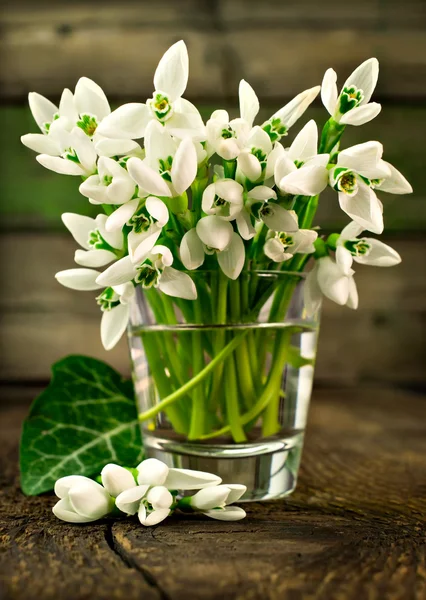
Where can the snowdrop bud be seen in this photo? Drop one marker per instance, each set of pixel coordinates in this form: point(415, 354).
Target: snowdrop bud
point(81, 500)
point(116, 479)
point(160, 497)
point(209, 498)
point(152, 472)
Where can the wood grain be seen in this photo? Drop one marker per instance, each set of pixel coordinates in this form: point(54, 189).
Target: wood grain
point(278, 46)
point(382, 342)
point(354, 529)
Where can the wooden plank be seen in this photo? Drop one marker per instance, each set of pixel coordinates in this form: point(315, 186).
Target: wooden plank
point(42, 321)
point(50, 46)
point(362, 15)
point(354, 528)
point(33, 197)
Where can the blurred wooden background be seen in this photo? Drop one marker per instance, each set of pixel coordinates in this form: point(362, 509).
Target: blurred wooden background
point(281, 48)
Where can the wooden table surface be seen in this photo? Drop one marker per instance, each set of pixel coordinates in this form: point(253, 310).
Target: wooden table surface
point(354, 528)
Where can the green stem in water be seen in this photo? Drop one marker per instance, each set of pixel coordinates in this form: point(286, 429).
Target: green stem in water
point(198, 400)
point(268, 392)
point(232, 405)
point(196, 380)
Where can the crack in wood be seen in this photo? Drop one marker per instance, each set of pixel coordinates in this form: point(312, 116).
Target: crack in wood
point(132, 564)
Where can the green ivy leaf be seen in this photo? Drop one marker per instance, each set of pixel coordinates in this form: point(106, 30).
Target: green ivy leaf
point(84, 419)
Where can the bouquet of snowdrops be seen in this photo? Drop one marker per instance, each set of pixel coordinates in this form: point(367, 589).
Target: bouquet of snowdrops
point(225, 198)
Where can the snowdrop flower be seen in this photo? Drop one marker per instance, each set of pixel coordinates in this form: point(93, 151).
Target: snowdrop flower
point(153, 270)
point(82, 500)
point(282, 245)
point(151, 498)
point(357, 167)
point(166, 106)
point(352, 106)
point(213, 502)
point(169, 167)
point(280, 122)
point(152, 504)
point(146, 217)
point(365, 251)
point(100, 246)
point(213, 235)
point(272, 214)
point(331, 279)
point(115, 306)
point(85, 110)
point(253, 159)
point(224, 198)
point(72, 152)
point(227, 137)
point(111, 185)
point(301, 170)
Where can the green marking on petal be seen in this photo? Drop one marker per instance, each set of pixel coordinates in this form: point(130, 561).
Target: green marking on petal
point(161, 106)
point(71, 154)
point(228, 133)
point(357, 247)
point(345, 181)
point(165, 166)
point(108, 299)
point(97, 242)
point(275, 129)
point(350, 98)
point(147, 275)
point(88, 124)
point(141, 221)
point(286, 239)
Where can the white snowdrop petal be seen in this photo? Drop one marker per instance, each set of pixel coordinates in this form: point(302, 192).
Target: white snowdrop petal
point(186, 479)
point(249, 103)
point(79, 279)
point(231, 260)
point(129, 500)
point(191, 250)
point(229, 513)
point(171, 75)
point(116, 479)
point(177, 284)
point(113, 324)
point(152, 472)
point(329, 90)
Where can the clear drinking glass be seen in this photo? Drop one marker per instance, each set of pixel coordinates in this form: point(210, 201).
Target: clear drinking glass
point(223, 383)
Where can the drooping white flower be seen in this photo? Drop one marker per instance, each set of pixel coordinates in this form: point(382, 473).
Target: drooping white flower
point(301, 170)
point(166, 106)
point(211, 499)
point(213, 235)
point(74, 155)
point(115, 306)
point(223, 198)
point(353, 178)
point(365, 251)
point(262, 206)
point(146, 217)
point(111, 185)
point(100, 247)
point(253, 159)
point(169, 167)
point(154, 270)
point(331, 280)
point(82, 500)
point(227, 137)
point(352, 106)
point(393, 183)
point(282, 245)
point(281, 121)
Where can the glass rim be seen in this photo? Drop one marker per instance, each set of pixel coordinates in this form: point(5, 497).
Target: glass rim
point(260, 272)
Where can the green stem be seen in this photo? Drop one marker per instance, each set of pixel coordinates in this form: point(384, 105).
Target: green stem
point(232, 405)
point(330, 136)
point(268, 392)
point(198, 400)
point(196, 380)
